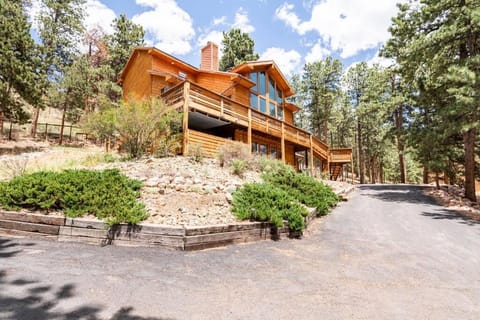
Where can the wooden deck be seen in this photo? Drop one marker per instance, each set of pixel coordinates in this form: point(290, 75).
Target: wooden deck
point(191, 97)
point(341, 155)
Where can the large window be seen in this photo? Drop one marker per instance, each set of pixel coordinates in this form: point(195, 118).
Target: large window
point(262, 88)
point(262, 149)
point(266, 96)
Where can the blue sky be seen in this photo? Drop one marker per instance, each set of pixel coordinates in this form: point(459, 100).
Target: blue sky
point(290, 32)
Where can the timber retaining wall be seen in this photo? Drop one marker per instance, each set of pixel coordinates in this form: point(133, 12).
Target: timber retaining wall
point(147, 235)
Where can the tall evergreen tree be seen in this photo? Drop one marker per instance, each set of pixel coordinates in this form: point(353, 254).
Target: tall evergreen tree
point(343, 124)
point(372, 113)
point(18, 76)
point(238, 47)
point(322, 86)
point(398, 105)
point(127, 35)
point(356, 86)
point(60, 29)
point(302, 117)
point(437, 43)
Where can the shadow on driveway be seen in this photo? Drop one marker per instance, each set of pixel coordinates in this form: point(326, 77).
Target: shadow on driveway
point(398, 193)
point(444, 214)
point(35, 300)
point(414, 194)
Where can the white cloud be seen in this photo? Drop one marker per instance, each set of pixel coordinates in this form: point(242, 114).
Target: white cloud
point(317, 52)
point(168, 26)
point(215, 36)
point(219, 21)
point(242, 21)
point(288, 61)
point(284, 13)
point(99, 15)
point(381, 61)
point(348, 26)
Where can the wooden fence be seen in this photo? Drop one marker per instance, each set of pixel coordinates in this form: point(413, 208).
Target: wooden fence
point(47, 131)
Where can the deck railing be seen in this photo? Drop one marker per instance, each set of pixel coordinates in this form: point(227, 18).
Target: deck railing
point(341, 155)
point(214, 104)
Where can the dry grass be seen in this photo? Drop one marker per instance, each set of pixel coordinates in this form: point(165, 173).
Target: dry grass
point(52, 159)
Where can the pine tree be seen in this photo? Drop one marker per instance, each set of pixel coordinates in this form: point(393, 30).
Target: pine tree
point(238, 47)
point(126, 37)
point(343, 124)
point(437, 46)
point(398, 105)
point(60, 29)
point(322, 90)
point(302, 117)
point(373, 114)
point(18, 77)
point(356, 86)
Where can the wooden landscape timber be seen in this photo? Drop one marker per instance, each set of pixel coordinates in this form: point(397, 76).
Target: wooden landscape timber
point(96, 232)
point(247, 104)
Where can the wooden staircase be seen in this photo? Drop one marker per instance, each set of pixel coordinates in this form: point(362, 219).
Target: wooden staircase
point(335, 170)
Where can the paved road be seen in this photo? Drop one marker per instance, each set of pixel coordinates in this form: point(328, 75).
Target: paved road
point(388, 253)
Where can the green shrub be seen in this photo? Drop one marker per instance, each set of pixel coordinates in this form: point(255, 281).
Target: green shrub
point(267, 165)
point(137, 124)
point(265, 202)
point(239, 167)
point(107, 194)
point(307, 190)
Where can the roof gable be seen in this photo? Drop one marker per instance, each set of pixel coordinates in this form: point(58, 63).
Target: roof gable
point(271, 67)
point(236, 77)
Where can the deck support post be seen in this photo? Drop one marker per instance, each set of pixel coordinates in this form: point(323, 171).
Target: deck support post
point(310, 157)
point(186, 102)
point(351, 165)
point(249, 131)
point(328, 164)
point(283, 142)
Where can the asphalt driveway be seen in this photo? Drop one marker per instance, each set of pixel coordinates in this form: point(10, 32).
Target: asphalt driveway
point(388, 253)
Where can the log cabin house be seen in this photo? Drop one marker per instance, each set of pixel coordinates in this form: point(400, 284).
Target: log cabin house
point(248, 104)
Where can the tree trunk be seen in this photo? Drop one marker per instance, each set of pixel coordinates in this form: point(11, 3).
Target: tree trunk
point(62, 125)
point(325, 132)
point(425, 174)
point(1, 124)
point(10, 131)
point(400, 146)
point(361, 162)
point(33, 129)
point(469, 147)
point(470, 135)
point(437, 180)
point(373, 170)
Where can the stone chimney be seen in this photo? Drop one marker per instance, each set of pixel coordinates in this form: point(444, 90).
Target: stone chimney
point(209, 57)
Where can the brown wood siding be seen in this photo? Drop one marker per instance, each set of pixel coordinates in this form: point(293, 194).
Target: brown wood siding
point(241, 95)
point(288, 116)
point(158, 83)
point(216, 82)
point(290, 154)
point(207, 142)
point(137, 83)
point(240, 135)
point(266, 140)
point(160, 65)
